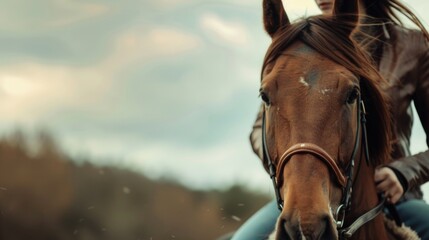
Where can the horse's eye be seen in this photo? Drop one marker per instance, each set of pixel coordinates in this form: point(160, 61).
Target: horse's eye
point(353, 95)
point(265, 98)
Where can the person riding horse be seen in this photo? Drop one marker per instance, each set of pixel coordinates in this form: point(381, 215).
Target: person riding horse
point(402, 57)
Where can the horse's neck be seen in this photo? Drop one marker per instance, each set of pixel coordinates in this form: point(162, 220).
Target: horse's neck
point(364, 198)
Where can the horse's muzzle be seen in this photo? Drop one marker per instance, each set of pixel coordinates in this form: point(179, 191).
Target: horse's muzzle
point(319, 228)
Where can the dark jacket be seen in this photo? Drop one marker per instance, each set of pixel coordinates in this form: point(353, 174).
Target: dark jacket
point(404, 63)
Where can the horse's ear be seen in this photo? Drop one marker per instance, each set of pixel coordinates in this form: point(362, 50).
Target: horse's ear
point(275, 16)
point(347, 11)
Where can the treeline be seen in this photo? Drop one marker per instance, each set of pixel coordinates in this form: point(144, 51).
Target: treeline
point(48, 196)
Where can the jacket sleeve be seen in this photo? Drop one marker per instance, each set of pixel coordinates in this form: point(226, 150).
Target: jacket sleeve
point(256, 137)
point(415, 168)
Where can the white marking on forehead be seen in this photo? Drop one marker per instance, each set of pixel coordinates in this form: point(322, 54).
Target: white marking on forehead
point(302, 80)
point(325, 91)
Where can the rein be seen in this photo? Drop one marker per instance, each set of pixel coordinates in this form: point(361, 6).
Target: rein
point(346, 182)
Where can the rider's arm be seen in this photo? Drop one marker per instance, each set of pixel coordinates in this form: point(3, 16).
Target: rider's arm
point(415, 168)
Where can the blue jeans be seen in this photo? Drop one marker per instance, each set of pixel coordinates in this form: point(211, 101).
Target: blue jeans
point(414, 213)
point(260, 225)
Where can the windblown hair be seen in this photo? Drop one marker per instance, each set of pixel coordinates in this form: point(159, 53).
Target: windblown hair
point(330, 37)
point(387, 10)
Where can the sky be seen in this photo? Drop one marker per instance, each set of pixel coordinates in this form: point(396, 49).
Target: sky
point(167, 87)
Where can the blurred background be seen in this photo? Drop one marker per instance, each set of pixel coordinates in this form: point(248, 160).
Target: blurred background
point(130, 119)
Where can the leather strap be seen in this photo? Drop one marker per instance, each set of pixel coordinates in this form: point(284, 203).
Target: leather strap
point(313, 149)
point(347, 232)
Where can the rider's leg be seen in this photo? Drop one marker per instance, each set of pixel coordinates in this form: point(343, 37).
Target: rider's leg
point(415, 214)
point(260, 225)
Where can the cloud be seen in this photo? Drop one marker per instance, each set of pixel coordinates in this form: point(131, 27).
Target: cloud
point(169, 41)
point(28, 91)
point(74, 11)
point(33, 16)
point(31, 90)
point(172, 3)
point(228, 32)
point(142, 44)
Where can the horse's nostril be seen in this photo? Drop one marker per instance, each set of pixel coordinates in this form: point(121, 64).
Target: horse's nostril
point(329, 229)
point(323, 230)
point(291, 230)
point(281, 230)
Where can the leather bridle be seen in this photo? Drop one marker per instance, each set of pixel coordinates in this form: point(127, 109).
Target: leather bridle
point(345, 181)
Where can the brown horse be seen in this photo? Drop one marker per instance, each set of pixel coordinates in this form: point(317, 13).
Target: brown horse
point(317, 87)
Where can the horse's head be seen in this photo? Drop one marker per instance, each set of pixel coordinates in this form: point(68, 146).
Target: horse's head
point(313, 78)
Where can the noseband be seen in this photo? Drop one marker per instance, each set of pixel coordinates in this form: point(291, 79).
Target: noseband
point(345, 181)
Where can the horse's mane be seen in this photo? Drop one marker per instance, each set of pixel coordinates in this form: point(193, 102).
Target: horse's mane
point(326, 35)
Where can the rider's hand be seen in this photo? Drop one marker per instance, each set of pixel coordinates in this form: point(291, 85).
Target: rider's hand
point(388, 183)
